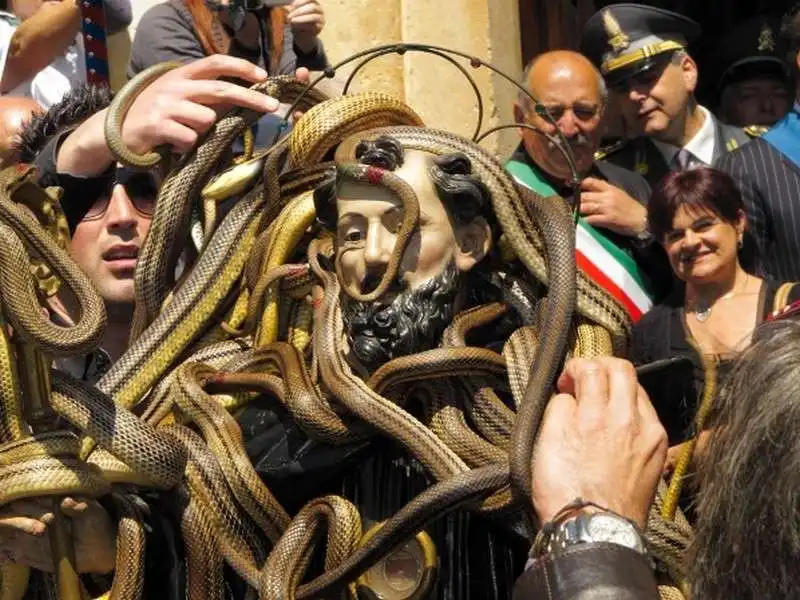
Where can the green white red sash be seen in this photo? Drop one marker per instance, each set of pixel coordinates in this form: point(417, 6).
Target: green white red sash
point(600, 259)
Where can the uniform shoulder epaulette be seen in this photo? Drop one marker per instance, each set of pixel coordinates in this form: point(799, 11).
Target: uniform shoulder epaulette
point(755, 130)
point(610, 149)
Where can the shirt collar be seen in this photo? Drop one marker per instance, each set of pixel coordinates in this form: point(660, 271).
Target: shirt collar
point(702, 145)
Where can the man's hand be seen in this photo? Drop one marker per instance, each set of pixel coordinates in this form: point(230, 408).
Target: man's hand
point(600, 440)
point(182, 105)
point(307, 19)
point(24, 537)
point(175, 110)
point(607, 206)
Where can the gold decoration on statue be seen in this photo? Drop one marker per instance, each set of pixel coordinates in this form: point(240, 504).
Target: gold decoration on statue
point(45, 206)
point(766, 39)
point(408, 573)
point(617, 39)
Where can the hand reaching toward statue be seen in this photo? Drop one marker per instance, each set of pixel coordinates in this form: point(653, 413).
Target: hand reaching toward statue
point(24, 537)
point(175, 110)
point(600, 440)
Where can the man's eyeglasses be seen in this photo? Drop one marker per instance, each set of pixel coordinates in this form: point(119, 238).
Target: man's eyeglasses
point(582, 111)
point(141, 187)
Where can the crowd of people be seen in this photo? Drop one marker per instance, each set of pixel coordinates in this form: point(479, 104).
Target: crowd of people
point(688, 224)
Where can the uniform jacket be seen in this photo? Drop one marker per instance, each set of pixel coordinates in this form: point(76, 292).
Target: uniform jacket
point(770, 186)
point(642, 155)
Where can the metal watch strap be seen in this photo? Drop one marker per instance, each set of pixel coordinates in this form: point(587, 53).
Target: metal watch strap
point(578, 530)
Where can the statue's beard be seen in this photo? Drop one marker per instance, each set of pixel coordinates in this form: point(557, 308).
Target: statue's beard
point(414, 320)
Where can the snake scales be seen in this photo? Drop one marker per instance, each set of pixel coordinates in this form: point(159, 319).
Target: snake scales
point(262, 270)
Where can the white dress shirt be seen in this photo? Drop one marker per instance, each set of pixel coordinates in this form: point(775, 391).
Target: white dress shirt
point(49, 85)
point(701, 146)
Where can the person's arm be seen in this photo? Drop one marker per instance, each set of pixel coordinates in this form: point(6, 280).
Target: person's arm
point(601, 443)
point(588, 572)
point(38, 40)
point(302, 46)
point(163, 34)
point(118, 15)
point(173, 111)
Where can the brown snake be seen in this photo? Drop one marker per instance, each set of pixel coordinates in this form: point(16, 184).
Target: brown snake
point(227, 514)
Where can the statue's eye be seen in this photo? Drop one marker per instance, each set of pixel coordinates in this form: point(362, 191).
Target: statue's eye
point(353, 236)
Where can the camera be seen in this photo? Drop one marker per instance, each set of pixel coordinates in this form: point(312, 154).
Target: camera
point(246, 5)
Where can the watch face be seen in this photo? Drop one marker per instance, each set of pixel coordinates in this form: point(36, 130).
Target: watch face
point(609, 528)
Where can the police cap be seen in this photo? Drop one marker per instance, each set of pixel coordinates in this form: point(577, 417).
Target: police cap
point(750, 50)
point(626, 39)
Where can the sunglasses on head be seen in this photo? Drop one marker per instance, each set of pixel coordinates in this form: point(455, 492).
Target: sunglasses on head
point(141, 187)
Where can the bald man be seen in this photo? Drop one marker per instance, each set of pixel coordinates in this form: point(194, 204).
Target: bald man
point(14, 113)
point(614, 246)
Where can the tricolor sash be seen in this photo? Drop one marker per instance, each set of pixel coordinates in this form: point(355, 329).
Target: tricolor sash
point(785, 136)
point(600, 259)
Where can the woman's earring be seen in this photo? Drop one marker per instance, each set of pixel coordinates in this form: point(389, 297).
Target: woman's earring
point(740, 243)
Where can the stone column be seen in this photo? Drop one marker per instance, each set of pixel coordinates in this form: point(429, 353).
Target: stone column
point(434, 88)
point(489, 29)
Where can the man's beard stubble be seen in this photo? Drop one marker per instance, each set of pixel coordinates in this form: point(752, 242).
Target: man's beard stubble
point(412, 322)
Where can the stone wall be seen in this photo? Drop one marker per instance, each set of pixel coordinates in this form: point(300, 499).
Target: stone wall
point(489, 29)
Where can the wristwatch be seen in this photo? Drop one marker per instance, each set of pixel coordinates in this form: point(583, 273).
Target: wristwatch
point(644, 237)
point(588, 527)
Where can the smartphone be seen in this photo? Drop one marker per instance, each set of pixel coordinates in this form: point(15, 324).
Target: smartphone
point(652, 375)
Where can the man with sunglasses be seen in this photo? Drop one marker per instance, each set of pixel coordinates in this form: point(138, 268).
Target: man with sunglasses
point(109, 207)
point(613, 245)
point(641, 51)
point(109, 210)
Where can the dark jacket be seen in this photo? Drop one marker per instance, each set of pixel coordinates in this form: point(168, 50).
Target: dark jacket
point(644, 157)
point(770, 186)
point(650, 257)
point(662, 333)
point(589, 572)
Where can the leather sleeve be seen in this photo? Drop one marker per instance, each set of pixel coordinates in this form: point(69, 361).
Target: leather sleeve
point(599, 571)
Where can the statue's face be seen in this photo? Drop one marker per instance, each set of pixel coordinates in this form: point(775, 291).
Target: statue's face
point(421, 301)
point(369, 218)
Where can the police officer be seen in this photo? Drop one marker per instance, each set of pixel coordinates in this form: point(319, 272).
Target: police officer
point(641, 51)
point(754, 85)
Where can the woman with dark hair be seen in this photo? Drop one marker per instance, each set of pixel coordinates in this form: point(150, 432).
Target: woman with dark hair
point(699, 218)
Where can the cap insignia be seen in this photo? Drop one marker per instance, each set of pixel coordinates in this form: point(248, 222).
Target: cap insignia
point(766, 39)
point(617, 38)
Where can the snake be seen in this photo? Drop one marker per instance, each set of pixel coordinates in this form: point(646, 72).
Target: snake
point(186, 444)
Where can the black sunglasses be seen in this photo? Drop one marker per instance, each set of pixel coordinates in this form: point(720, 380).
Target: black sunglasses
point(141, 187)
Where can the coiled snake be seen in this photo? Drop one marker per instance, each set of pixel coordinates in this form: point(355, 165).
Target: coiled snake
point(188, 445)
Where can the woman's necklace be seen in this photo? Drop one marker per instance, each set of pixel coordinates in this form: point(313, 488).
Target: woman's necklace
point(702, 310)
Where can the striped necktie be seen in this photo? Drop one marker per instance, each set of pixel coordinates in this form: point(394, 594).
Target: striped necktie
point(685, 160)
point(93, 29)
